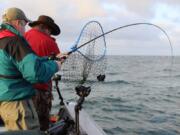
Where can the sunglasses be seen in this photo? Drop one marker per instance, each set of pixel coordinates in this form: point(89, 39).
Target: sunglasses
point(23, 23)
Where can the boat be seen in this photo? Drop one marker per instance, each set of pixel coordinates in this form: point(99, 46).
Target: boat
point(66, 125)
point(71, 119)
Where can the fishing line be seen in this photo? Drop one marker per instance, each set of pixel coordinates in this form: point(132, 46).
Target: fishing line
point(118, 28)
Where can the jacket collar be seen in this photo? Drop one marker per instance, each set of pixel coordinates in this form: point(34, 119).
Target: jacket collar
point(6, 33)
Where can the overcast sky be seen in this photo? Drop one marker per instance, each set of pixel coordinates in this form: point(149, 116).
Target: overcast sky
point(71, 15)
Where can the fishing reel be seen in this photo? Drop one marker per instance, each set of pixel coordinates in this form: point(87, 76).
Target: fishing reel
point(56, 77)
point(61, 127)
point(83, 91)
point(53, 57)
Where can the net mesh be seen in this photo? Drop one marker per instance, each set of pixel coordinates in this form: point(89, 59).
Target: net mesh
point(83, 66)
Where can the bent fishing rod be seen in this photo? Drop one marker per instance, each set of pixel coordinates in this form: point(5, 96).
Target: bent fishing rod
point(118, 28)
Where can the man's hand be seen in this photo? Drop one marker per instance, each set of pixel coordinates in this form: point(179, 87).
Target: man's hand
point(61, 58)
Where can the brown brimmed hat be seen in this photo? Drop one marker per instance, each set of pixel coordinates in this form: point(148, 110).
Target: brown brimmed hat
point(48, 21)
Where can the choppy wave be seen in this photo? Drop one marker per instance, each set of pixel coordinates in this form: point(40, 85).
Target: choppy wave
point(117, 82)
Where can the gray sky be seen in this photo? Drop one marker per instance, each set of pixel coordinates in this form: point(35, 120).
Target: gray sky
point(71, 15)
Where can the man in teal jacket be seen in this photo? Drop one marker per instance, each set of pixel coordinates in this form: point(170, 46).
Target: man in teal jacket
point(19, 69)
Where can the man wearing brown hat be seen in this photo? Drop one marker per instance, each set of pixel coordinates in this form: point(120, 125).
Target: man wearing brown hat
point(20, 67)
point(39, 38)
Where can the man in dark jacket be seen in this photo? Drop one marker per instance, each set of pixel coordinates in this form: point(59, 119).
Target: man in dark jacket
point(41, 42)
point(20, 67)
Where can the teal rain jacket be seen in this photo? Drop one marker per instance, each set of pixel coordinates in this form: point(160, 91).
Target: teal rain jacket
point(20, 67)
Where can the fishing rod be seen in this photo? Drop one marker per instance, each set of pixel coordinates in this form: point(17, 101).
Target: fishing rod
point(121, 28)
point(115, 29)
point(57, 78)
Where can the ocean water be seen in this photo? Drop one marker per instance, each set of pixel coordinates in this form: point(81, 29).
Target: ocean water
point(140, 96)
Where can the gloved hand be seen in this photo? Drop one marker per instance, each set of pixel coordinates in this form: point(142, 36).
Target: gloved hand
point(61, 57)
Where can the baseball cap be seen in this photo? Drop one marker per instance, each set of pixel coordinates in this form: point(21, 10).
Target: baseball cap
point(14, 14)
